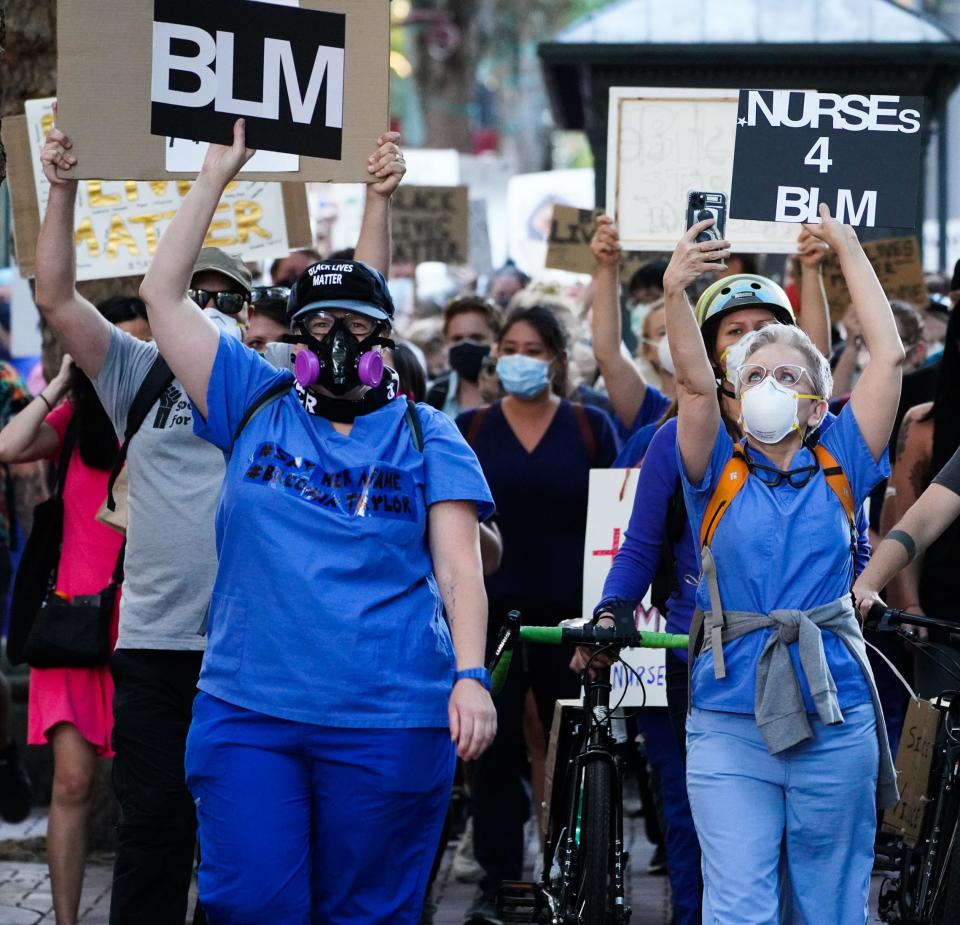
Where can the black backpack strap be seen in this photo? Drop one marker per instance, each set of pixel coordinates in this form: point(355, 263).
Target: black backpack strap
point(277, 390)
point(586, 431)
point(415, 425)
point(476, 422)
point(66, 452)
point(154, 384)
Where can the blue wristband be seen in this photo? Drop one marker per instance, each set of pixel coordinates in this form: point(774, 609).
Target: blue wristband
point(474, 674)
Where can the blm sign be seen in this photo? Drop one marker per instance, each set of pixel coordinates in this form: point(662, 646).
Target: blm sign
point(279, 67)
point(858, 154)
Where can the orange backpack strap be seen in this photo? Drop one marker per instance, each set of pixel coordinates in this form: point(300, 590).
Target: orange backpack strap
point(837, 481)
point(586, 431)
point(732, 479)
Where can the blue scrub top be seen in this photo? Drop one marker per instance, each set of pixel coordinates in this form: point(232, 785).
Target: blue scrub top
point(781, 548)
point(325, 609)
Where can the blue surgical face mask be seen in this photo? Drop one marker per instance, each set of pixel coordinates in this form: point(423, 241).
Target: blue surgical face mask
point(523, 377)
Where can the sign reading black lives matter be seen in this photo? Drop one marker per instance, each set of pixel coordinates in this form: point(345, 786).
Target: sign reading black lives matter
point(279, 67)
point(858, 154)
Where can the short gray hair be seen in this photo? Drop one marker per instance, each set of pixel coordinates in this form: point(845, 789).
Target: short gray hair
point(790, 336)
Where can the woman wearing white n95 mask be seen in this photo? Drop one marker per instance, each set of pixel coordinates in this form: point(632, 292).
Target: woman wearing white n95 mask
point(786, 747)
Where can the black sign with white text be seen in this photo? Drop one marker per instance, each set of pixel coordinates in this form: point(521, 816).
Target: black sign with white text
point(281, 68)
point(858, 154)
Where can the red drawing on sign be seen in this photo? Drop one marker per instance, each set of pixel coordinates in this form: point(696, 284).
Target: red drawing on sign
point(614, 549)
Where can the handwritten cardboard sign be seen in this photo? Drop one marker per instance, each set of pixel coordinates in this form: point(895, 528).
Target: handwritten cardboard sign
point(914, 758)
point(608, 513)
point(431, 223)
point(568, 246)
point(898, 266)
point(119, 222)
point(313, 79)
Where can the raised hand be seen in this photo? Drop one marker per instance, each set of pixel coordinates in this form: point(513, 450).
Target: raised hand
point(691, 260)
point(56, 155)
point(830, 231)
point(387, 164)
point(605, 243)
point(223, 162)
point(810, 249)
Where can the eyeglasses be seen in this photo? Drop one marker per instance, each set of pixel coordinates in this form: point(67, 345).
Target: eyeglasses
point(751, 374)
point(230, 303)
point(262, 293)
point(319, 324)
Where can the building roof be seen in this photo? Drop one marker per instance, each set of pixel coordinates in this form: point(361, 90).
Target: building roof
point(775, 22)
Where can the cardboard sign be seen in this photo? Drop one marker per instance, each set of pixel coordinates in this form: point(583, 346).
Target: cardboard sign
point(663, 143)
point(858, 154)
point(608, 513)
point(914, 758)
point(431, 223)
point(118, 223)
point(897, 264)
point(568, 247)
point(313, 80)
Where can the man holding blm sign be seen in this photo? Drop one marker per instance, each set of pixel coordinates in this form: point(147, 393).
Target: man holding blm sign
point(325, 530)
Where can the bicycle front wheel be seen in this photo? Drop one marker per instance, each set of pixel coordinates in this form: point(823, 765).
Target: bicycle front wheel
point(593, 894)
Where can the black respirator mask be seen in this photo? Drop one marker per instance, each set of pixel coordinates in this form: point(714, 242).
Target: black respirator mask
point(339, 362)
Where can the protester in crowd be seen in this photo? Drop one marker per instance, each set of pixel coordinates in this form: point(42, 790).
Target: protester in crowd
point(70, 708)
point(536, 449)
point(341, 746)
point(470, 327)
point(287, 270)
point(127, 313)
point(653, 354)
point(18, 491)
point(174, 480)
point(427, 334)
point(782, 756)
point(407, 360)
point(268, 316)
point(928, 438)
point(506, 283)
point(644, 288)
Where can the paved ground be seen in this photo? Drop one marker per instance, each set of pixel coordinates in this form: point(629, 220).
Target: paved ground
point(25, 886)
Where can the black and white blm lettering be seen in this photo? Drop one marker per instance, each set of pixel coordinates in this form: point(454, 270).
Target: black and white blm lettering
point(281, 68)
point(858, 154)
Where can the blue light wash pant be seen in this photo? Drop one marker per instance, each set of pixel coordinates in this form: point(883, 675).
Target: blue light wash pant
point(816, 802)
point(302, 824)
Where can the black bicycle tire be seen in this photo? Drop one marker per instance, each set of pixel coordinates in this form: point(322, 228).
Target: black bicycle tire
point(593, 894)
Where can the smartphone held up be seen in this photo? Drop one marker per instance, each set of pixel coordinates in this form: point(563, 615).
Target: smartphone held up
point(700, 207)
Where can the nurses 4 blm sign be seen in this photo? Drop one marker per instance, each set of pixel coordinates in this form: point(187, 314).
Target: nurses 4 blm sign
point(858, 154)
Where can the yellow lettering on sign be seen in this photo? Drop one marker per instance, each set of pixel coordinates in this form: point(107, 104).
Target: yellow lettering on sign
point(98, 199)
point(132, 190)
point(232, 185)
point(46, 123)
point(248, 215)
point(149, 222)
point(159, 187)
point(183, 187)
point(119, 236)
point(86, 235)
point(218, 225)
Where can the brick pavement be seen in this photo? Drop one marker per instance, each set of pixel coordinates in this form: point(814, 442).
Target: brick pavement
point(25, 885)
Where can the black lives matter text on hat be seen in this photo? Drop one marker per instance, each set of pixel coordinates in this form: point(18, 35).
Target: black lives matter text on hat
point(281, 68)
point(857, 153)
point(345, 284)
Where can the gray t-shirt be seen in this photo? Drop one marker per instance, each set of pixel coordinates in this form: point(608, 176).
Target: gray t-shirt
point(949, 475)
point(174, 482)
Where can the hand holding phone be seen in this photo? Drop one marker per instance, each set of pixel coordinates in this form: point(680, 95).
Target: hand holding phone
point(700, 207)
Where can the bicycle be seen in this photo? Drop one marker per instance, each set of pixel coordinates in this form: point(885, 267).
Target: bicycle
point(926, 889)
point(584, 859)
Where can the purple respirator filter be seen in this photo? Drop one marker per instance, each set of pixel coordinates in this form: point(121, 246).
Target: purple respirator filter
point(307, 366)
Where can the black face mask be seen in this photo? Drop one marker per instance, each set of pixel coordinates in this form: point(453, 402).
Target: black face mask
point(339, 362)
point(467, 358)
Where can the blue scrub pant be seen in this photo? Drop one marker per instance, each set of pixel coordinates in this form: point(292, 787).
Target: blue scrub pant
point(816, 802)
point(302, 824)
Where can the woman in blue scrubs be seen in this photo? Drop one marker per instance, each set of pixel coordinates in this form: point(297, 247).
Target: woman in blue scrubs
point(785, 753)
point(344, 669)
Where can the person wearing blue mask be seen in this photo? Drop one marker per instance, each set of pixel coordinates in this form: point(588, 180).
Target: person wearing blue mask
point(344, 668)
point(787, 754)
point(536, 450)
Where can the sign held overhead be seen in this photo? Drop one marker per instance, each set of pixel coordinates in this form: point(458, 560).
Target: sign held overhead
point(858, 154)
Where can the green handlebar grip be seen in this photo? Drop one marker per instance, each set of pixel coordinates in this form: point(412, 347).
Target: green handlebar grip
point(664, 640)
point(499, 676)
point(549, 635)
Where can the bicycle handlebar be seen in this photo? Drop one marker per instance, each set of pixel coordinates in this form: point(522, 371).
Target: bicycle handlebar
point(618, 636)
point(888, 618)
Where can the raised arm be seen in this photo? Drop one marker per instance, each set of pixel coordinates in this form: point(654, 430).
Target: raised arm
point(699, 410)
point(374, 246)
point(28, 437)
point(188, 339)
point(877, 393)
point(814, 318)
point(624, 381)
point(81, 330)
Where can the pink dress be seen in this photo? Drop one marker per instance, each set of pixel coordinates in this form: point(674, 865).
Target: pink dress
point(81, 696)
